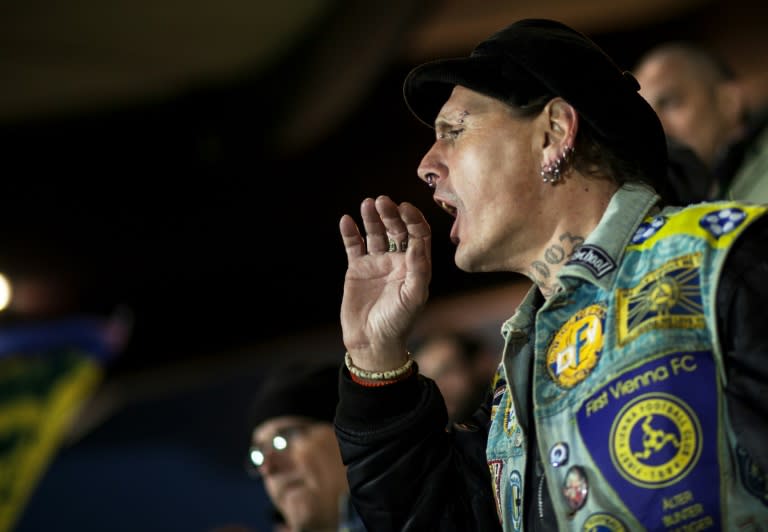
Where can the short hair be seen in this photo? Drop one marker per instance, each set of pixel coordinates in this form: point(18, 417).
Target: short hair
point(707, 62)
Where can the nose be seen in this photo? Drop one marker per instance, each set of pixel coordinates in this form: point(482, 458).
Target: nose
point(274, 462)
point(431, 170)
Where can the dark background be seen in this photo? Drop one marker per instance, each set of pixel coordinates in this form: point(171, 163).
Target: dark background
point(211, 211)
point(193, 210)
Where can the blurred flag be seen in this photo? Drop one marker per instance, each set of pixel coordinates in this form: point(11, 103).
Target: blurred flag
point(47, 371)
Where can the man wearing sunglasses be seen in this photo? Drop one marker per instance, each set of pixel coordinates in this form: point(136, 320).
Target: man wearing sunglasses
point(294, 449)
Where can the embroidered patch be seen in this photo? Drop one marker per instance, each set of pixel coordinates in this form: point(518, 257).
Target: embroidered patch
point(655, 440)
point(593, 258)
point(667, 298)
point(516, 497)
point(496, 467)
point(647, 229)
point(659, 423)
point(603, 522)
point(723, 221)
point(510, 417)
point(577, 346)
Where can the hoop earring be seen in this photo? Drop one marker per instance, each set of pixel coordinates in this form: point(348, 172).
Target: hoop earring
point(553, 173)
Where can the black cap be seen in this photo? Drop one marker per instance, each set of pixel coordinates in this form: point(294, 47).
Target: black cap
point(298, 389)
point(538, 57)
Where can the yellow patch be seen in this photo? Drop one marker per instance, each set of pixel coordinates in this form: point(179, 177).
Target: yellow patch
point(669, 297)
point(718, 223)
point(603, 522)
point(576, 347)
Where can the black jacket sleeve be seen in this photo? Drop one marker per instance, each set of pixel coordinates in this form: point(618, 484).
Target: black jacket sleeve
point(406, 470)
point(742, 296)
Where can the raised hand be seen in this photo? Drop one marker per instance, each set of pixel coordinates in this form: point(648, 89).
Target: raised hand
point(387, 281)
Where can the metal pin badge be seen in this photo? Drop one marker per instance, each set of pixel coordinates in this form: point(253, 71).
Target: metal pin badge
point(575, 488)
point(558, 454)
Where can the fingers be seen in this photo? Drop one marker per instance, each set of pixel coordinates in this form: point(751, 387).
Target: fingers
point(419, 233)
point(397, 232)
point(414, 221)
point(375, 231)
point(388, 227)
point(350, 235)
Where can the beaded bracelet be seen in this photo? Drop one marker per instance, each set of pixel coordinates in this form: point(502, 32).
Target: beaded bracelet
point(378, 384)
point(378, 375)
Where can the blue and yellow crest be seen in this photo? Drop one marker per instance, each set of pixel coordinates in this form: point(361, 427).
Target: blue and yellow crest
point(655, 440)
point(603, 522)
point(577, 346)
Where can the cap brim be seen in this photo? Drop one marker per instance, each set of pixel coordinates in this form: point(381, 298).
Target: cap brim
point(428, 86)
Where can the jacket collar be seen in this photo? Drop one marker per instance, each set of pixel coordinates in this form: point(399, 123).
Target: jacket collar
point(597, 260)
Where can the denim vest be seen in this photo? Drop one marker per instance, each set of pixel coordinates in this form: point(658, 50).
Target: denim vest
point(628, 379)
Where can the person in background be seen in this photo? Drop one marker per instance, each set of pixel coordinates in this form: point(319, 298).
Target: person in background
point(461, 365)
point(701, 103)
point(293, 449)
point(631, 389)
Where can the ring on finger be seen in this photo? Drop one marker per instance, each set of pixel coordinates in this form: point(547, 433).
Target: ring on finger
point(392, 245)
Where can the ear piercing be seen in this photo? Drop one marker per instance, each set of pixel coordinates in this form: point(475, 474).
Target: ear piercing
point(553, 173)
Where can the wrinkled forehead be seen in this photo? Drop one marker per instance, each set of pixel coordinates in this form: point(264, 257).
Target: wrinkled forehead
point(465, 104)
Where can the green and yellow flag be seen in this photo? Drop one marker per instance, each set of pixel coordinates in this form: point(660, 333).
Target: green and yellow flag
point(47, 371)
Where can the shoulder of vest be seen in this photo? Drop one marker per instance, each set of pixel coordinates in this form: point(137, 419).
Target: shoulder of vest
point(718, 223)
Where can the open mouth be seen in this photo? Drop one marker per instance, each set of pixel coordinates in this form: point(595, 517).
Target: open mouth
point(447, 207)
point(453, 211)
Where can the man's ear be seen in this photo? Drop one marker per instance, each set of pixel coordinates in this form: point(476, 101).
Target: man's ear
point(562, 124)
point(558, 123)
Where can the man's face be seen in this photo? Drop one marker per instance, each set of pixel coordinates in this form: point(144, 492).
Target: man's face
point(691, 106)
point(487, 163)
point(305, 480)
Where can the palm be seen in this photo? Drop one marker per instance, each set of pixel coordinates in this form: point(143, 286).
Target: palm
point(384, 291)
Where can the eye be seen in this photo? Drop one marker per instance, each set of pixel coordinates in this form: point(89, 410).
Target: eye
point(451, 134)
point(667, 102)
